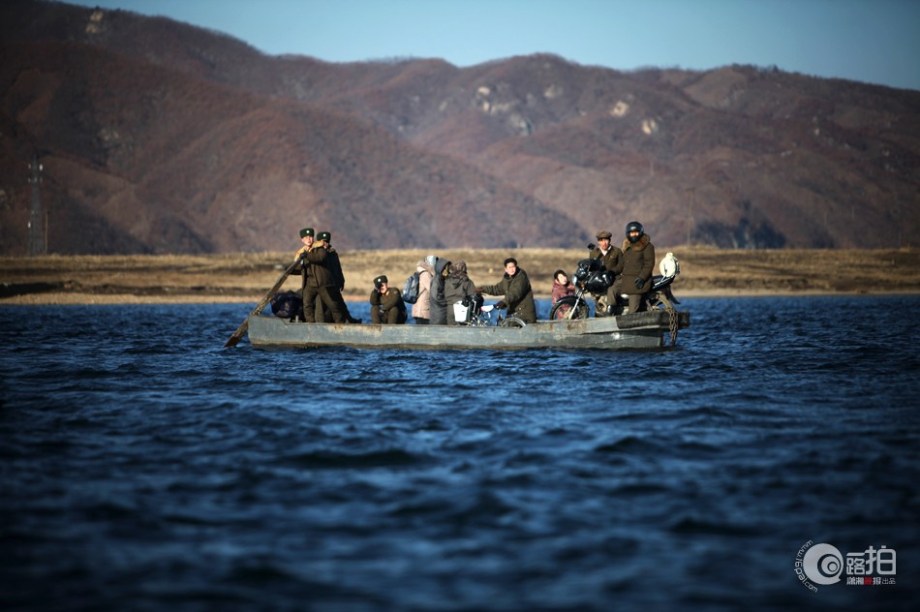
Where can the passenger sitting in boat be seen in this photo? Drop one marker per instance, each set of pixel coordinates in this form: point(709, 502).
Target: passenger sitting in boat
point(562, 287)
point(456, 287)
point(518, 295)
point(387, 305)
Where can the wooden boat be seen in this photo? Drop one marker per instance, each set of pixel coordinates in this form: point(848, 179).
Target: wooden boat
point(645, 330)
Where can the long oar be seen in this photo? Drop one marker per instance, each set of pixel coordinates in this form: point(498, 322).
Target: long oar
point(238, 334)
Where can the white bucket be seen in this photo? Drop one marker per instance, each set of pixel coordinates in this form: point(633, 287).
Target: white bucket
point(461, 312)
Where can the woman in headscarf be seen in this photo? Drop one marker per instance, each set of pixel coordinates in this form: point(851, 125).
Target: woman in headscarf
point(457, 286)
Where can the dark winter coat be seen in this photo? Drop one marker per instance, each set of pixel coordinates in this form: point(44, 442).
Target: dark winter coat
point(612, 260)
point(638, 262)
point(388, 307)
point(457, 286)
point(323, 268)
point(517, 294)
point(437, 300)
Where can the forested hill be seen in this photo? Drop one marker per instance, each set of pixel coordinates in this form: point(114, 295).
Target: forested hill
point(155, 136)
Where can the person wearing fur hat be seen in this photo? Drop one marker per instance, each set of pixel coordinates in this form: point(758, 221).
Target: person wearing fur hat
point(638, 263)
point(387, 305)
point(611, 259)
point(307, 236)
point(324, 280)
point(517, 292)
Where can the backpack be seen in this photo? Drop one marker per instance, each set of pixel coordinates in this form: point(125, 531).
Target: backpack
point(410, 289)
point(287, 305)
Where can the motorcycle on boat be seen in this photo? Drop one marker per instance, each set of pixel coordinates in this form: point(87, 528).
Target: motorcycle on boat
point(592, 280)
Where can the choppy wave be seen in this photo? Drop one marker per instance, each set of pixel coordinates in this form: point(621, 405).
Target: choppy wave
point(146, 467)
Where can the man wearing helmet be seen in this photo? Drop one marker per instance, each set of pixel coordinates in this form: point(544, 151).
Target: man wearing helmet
point(638, 263)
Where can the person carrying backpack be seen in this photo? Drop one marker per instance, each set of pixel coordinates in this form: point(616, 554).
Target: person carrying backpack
point(421, 309)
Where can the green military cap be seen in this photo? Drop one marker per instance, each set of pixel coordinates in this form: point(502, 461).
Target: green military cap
point(307, 231)
point(380, 280)
point(324, 236)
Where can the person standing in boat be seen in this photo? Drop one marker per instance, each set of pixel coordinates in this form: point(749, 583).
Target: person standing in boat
point(638, 263)
point(516, 290)
point(324, 280)
point(437, 301)
point(611, 258)
point(387, 305)
point(336, 269)
point(456, 287)
point(421, 310)
point(307, 237)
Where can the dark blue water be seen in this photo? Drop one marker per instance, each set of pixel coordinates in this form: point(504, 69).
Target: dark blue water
point(145, 467)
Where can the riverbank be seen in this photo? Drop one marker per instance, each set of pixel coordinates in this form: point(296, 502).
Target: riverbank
point(246, 277)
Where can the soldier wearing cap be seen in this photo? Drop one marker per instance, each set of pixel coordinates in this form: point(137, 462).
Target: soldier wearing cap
point(611, 259)
point(307, 236)
point(387, 305)
point(324, 280)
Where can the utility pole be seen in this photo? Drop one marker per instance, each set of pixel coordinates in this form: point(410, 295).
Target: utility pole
point(38, 243)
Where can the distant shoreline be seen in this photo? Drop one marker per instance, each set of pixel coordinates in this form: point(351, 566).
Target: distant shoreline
point(245, 278)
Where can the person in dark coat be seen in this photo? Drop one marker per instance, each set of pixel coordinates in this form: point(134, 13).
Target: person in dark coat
point(324, 279)
point(387, 305)
point(456, 287)
point(518, 295)
point(638, 263)
point(611, 258)
point(436, 297)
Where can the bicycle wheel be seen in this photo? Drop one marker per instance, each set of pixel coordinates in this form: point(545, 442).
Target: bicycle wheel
point(512, 322)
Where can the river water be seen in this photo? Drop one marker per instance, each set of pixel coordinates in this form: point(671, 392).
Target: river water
point(145, 467)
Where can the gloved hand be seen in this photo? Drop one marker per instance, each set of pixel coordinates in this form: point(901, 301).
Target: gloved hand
point(501, 305)
point(639, 282)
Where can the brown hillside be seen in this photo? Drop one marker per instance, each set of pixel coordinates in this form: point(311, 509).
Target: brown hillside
point(160, 137)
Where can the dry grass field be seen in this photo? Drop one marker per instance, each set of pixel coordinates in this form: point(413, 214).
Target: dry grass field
point(56, 279)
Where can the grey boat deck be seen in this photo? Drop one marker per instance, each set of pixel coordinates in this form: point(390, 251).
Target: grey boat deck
point(644, 330)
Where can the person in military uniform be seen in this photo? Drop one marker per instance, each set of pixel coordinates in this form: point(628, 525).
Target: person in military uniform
point(335, 266)
point(518, 295)
point(387, 305)
point(307, 237)
point(611, 258)
point(324, 280)
point(638, 263)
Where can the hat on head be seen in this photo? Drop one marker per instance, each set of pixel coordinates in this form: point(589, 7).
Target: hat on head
point(604, 235)
point(380, 280)
point(307, 231)
point(324, 236)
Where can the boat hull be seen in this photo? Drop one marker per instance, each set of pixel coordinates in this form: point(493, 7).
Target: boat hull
point(644, 330)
